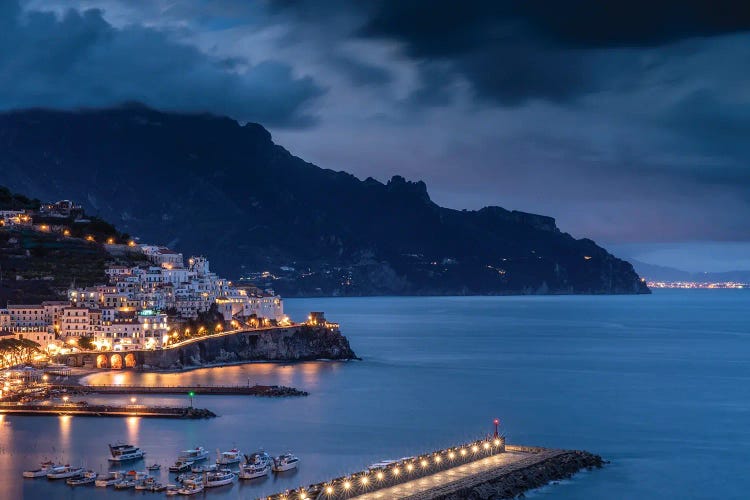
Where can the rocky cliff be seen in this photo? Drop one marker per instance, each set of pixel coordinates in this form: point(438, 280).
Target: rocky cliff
point(206, 184)
point(299, 343)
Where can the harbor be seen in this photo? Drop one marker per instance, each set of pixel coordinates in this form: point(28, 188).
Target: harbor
point(86, 410)
point(486, 468)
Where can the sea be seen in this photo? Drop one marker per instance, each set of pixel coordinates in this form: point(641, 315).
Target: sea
point(658, 385)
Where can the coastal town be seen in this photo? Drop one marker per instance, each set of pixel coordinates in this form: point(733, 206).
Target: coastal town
point(162, 300)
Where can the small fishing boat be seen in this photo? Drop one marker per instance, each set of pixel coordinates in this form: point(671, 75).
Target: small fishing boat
point(125, 453)
point(285, 462)
point(230, 457)
point(181, 466)
point(42, 471)
point(154, 467)
point(156, 487)
point(194, 455)
point(64, 472)
point(191, 488)
point(172, 490)
point(88, 477)
point(108, 479)
point(218, 478)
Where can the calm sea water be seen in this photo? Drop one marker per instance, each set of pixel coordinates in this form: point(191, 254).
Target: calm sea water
point(659, 385)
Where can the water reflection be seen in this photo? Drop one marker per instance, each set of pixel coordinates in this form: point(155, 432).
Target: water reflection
point(133, 424)
point(64, 421)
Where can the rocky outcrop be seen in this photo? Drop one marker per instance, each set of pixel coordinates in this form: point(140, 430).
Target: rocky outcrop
point(516, 482)
point(298, 343)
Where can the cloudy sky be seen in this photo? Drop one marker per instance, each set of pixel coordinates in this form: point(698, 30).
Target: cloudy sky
point(628, 121)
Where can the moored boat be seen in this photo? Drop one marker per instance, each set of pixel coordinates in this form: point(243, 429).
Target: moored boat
point(230, 457)
point(42, 471)
point(180, 466)
point(191, 487)
point(218, 478)
point(125, 484)
point(108, 479)
point(64, 472)
point(194, 455)
point(256, 465)
point(154, 467)
point(88, 477)
point(200, 469)
point(125, 453)
point(285, 462)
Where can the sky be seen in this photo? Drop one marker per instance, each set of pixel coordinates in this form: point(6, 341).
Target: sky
point(627, 121)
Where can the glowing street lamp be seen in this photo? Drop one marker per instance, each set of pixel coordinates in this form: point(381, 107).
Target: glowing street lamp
point(191, 394)
point(65, 400)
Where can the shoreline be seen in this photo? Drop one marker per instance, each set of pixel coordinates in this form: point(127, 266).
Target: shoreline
point(78, 375)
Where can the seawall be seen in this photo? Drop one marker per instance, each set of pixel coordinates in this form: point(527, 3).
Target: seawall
point(294, 343)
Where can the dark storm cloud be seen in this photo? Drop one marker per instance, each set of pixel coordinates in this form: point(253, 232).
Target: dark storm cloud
point(512, 51)
point(78, 59)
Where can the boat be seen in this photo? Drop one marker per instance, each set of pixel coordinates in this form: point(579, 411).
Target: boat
point(285, 462)
point(108, 479)
point(154, 467)
point(88, 477)
point(146, 484)
point(42, 471)
point(230, 457)
point(180, 466)
point(256, 465)
point(172, 490)
point(125, 484)
point(200, 469)
point(194, 455)
point(381, 465)
point(191, 487)
point(220, 477)
point(156, 487)
point(64, 472)
point(125, 453)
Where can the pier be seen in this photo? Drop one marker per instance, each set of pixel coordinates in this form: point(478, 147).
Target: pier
point(247, 390)
point(85, 410)
point(483, 469)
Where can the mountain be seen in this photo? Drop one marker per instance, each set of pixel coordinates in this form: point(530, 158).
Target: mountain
point(206, 184)
point(654, 272)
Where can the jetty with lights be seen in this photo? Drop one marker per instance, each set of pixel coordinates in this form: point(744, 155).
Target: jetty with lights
point(482, 469)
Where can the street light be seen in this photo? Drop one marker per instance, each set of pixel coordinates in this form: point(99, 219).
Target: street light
point(65, 400)
point(191, 394)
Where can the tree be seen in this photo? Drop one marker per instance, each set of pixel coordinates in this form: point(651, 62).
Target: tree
point(86, 343)
point(17, 351)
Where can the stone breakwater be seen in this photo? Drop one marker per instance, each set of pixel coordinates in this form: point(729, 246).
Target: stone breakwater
point(539, 469)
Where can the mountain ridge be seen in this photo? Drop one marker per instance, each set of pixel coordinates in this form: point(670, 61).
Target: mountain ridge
point(207, 184)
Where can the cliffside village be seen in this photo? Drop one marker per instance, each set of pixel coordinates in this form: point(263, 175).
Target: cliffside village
point(130, 311)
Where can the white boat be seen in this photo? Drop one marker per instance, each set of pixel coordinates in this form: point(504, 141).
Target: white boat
point(125, 453)
point(154, 467)
point(256, 465)
point(172, 490)
point(88, 477)
point(255, 470)
point(381, 465)
point(108, 479)
point(285, 462)
point(230, 457)
point(218, 478)
point(41, 471)
point(180, 466)
point(190, 488)
point(64, 472)
point(194, 455)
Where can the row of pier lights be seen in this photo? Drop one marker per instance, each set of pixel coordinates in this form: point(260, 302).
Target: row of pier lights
point(398, 472)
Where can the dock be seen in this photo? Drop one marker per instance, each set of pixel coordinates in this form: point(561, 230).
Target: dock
point(85, 410)
point(247, 390)
point(484, 469)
